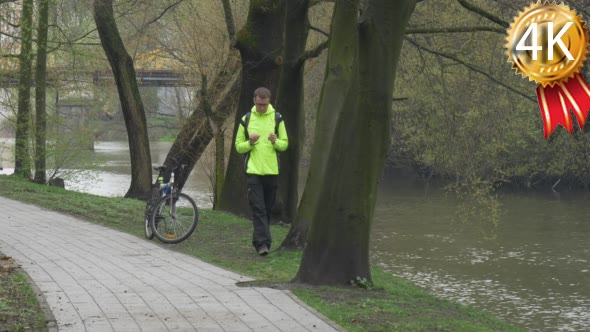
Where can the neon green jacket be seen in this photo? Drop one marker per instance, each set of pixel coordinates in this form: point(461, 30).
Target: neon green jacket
point(263, 157)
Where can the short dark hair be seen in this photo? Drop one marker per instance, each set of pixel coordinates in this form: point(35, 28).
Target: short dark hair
point(262, 93)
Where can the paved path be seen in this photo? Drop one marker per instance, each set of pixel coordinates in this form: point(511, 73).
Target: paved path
point(98, 279)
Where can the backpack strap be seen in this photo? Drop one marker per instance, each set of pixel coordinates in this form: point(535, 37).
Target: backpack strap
point(245, 123)
point(278, 120)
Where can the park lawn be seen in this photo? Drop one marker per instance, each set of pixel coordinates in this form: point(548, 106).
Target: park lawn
point(392, 304)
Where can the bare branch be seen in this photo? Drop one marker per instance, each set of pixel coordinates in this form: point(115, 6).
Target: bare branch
point(9, 35)
point(471, 67)
point(163, 12)
point(454, 30)
point(314, 52)
point(73, 41)
point(311, 27)
point(8, 55)
point(229, 19)
point(484, 13)
point(13, 25)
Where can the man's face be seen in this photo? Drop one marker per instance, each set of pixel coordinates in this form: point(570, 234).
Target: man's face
point(261, 104)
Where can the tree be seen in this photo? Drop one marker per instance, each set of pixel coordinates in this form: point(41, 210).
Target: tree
point(22, 161)
point(40, 93)
point(290, 102)
point(217, 102)
point(352, 138)
point(131, 104)
point(201, 55)
point(260, 44)
point(196, 134)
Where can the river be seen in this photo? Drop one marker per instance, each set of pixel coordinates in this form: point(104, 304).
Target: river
point(533, 271)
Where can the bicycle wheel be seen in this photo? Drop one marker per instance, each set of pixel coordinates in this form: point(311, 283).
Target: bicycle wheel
point(154, 197)
point(147, 228)
point(174, 218)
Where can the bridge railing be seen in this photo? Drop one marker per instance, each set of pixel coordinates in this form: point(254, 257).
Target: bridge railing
point(149, 77)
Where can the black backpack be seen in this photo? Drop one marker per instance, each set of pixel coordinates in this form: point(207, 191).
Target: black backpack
point(246, 121)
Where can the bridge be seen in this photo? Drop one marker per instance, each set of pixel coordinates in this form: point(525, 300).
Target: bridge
point(145, 77)
point(152, 68)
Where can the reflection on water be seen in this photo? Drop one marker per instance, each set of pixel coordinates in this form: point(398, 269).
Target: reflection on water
point(535, 272)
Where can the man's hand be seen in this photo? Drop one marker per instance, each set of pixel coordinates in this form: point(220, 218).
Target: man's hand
point(272, 138)
point(254, 138)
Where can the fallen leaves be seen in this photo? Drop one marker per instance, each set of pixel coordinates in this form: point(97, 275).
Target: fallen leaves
point(7, 268)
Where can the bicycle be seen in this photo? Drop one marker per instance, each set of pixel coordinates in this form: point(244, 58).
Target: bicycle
point(170, 215)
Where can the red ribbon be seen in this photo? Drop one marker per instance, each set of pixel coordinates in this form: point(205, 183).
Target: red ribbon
point(555, 103)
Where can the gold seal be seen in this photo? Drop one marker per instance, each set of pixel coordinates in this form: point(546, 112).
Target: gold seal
point(547, 43)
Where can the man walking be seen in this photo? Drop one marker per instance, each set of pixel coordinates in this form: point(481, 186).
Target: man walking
point(261, 134)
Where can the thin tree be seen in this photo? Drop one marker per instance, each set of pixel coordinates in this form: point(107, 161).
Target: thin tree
point(40, 92)
point(131, 104)
point(22, 160)
point(353, 135)
point(217, 102)
point(197, 132)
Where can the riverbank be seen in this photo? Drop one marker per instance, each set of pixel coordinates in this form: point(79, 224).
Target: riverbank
point(392, 305)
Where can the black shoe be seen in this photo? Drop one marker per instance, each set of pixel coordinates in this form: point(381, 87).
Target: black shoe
point(263, 251)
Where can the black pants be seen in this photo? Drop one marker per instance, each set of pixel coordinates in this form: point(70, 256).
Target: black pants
point(261, 195)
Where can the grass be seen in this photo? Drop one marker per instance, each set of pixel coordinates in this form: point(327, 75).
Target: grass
point(19, 309)
point(392, 304)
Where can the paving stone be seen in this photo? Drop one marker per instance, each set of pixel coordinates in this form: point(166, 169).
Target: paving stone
point(99, 279)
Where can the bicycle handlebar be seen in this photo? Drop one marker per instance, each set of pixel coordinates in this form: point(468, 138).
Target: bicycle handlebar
point(178, 167)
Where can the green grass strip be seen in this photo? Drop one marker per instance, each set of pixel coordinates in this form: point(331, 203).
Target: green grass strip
point(19, 308)
point(393, 304)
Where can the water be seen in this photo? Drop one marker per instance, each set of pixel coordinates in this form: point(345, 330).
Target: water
point(534, 272)
point(112, 178)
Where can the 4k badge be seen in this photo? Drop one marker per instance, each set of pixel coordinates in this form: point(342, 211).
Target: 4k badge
point(548, 43)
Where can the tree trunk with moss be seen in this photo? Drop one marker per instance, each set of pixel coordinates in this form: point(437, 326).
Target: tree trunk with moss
point(260, 44)
point(290, 100)
point(131, 104)
point(22, 160)
point(290, 103)
point(362, 61)
point(40, 93)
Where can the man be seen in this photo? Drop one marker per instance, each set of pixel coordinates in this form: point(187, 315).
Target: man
point(261, 134)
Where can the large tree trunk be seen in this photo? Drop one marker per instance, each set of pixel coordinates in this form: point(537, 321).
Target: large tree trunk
point(337, 249)
point(22, 161)
point(289, 102)
point(336, 95)
point(40, 93)
point(131, 104)
point(260, 44)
